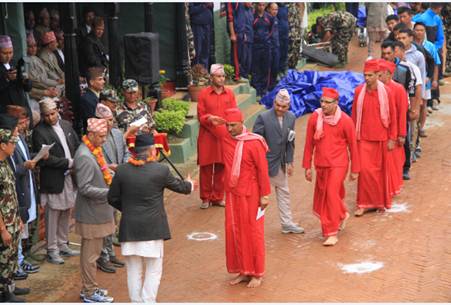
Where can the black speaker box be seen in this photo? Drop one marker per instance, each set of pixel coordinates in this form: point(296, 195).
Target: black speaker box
point(142, 58)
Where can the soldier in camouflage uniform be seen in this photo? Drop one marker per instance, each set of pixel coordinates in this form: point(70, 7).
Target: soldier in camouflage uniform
point(132, 109)
point(10, 223)
point(446, 13)
point(294, 34)
point(338, 28)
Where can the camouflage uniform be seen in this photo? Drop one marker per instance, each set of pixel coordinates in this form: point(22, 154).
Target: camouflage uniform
point(342, 25)
point(125, 115)
point(294, 34)
point(9, 209)
point(446, 13)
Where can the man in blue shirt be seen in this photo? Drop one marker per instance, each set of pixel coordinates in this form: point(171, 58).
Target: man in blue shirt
point(434, 28)
point(275, 45)
point(261, 49)
point(201, 19)
point(239, 19)
point(282, 16)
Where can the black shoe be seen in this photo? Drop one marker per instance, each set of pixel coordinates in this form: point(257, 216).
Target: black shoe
point(405, 175)
point(21, 291)
point(116, 262)
point(20, 275)
point(9, 297)
point(105, 266)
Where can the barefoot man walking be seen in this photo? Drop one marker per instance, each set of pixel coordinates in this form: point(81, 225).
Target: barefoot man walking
point(330, 134)
point(247, 188)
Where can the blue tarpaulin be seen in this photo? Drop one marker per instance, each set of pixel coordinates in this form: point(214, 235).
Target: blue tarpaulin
point(305, 89)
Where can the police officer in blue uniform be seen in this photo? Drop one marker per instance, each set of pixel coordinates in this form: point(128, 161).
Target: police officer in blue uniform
point(239, 19)
point(272, 9)
point(261, 49)
point(201, 19)
point(282, 17)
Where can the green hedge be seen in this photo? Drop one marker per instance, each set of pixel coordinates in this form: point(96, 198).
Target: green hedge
point(169, 121)
point(173, 104)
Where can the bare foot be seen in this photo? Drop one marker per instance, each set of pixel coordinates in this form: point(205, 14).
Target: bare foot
point(359, 212)
point(343, 222)
point(331, 241)
point(240, 278)
point(255, 282)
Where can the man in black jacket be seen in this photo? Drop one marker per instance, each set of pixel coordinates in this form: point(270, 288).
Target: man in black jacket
point(57, 188)
point(13, 82)
point(93, 52)
point(137, 191)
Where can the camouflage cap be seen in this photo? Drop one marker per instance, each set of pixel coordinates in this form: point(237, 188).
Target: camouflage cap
point(130, 85)
point(109, 95)
point(6, 136)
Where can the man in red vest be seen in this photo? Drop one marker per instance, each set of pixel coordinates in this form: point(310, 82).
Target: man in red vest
point(374, 115)
point(213, 101)
point(330, 133)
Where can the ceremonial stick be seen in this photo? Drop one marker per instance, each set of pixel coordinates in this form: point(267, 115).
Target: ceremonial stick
point(170, 162)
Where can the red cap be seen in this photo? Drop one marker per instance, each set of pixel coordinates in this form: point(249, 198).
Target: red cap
point(371, 65)
point(330, 93)
point(233, 115)
point(387, 66)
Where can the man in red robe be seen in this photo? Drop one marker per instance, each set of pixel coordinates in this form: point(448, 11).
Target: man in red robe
point(396, 157)
point(374, 115)
point(213, 100)
point(247, 188)
point(330, 133)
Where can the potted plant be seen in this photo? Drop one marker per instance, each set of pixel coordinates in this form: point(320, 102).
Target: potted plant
point(229, 72)
point(167, 87)
point(200, 81)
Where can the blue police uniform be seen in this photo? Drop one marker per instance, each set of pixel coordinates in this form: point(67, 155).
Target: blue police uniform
point(201, 19)
point(241, 16)
point(282, 17)
point(261, 52)
point(275, 54)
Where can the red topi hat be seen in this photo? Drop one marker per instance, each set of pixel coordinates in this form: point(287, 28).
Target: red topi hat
point(233, 115)
point(371, 65)
point(330, 93)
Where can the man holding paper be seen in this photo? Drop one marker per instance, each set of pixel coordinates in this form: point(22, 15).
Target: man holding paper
point(134, 110)
point(247, 188)
point(58, 191)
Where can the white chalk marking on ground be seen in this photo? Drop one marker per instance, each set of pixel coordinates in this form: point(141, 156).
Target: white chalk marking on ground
point(401, 207)
point(363, 267)
point(433, 122)
point(202, 236)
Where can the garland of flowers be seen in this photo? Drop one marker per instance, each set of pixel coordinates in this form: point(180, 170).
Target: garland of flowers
point(98, 154)
point(137, 162)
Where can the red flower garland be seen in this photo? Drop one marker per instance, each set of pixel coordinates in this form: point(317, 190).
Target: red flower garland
point(97, 152)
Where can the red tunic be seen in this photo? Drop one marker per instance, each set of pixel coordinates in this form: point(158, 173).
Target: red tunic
point(373, 190)
point(396, 157)
point(210, 103)
point(245, 243)
point(331, 160)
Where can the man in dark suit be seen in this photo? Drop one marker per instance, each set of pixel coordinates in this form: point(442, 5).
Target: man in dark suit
point(13, 83)
point(277, 127)
point(27, 193)
point(90, 99)
point(57, 188)
point(93, 52)
point(137, 191)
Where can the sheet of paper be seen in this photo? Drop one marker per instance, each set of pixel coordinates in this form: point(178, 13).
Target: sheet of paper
point(44, 150)
point(140, 122)
point(260, 213)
